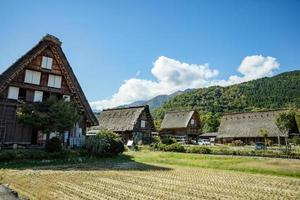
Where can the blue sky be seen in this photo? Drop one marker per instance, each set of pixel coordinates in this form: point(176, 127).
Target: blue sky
point(154, 44)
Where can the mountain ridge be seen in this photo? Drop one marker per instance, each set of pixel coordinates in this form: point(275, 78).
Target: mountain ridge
point(276, 92)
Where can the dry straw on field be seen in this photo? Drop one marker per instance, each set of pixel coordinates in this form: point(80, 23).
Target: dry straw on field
point(178, 183)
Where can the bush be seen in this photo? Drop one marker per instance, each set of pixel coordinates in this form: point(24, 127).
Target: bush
point(199, 149)
point(237, 143)
point(160, 146)
point(174, 148)
point(168, 140)
point(295, 140)
point(31, 154)
point(269, 142)
point(104, 143)
point(155, 142)
point(53, 145)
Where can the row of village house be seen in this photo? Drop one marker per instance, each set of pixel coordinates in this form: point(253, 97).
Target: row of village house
point(136, 124)
point(44, 71)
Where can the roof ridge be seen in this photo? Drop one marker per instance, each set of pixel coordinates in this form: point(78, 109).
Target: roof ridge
point(52, 38)
point(131, 107)
point(179, 111)
point(261, 111)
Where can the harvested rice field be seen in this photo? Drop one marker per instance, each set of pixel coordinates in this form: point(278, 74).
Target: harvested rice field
point(138, 180)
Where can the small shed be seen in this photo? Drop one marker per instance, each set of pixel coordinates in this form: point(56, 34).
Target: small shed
point(132, 123)
point(181, 125)
point(209, 136)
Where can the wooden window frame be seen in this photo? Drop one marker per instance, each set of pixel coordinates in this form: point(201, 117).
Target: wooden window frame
point(47, 62)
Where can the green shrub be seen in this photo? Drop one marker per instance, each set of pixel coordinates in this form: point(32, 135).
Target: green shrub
point(6, 156)
point(295, 140)
point(53, 145)
point(105, 142)
point(174, 148)
point(199, 149)
point(160, 146)
point(168, 140)
point(237, 143)
point(32, 154)
point(155, 140)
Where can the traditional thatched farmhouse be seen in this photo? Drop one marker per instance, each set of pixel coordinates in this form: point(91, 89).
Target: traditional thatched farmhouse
point(181, 125)
point(132, 123)
point(42, 72)
point(247, 126)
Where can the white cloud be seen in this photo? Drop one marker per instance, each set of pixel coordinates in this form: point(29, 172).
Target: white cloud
point(172, 75)
point(253, 67)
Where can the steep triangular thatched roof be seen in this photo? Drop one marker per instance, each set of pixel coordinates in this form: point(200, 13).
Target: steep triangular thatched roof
point(177, 119)
point(122, 119)
point(249, 124)
point(54, 44)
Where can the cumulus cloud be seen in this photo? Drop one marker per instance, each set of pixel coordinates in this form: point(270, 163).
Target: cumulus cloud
point(172, 75)
point(253, 67)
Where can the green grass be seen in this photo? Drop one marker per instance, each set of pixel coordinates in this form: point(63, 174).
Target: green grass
point(278, 167)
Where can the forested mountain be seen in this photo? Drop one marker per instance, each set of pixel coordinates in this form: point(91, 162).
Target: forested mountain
point(276, 92)
point(155, 102)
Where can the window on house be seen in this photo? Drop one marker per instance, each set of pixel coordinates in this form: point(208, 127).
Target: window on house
point(47, 62)
point(67, 98)
point(32, 77)
point(54, 81)
point(192, 121)
point(143, 123)
point(13, 92)
point(38, 96)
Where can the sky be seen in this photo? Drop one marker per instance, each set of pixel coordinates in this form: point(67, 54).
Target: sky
point(125, 51)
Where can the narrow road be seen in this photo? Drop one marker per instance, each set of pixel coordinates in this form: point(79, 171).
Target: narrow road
point(6, 194)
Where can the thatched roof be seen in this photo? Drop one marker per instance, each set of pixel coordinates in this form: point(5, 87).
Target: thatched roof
point(122, 119)
point(241, 125)
point(177, 119)
point(54, 44)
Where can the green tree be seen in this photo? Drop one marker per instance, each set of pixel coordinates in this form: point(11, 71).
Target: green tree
point(285, 122)
point(210, 122)
point(264, 133)
point(63, 115)
point(49, 116)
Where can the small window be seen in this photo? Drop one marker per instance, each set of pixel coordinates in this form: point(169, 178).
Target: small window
point(67, 98)
point(38, 96)
point(13, 92)
point(47, 62)
point(54, 81)
point(192, 121)
point(143, 123)
point(32, 77)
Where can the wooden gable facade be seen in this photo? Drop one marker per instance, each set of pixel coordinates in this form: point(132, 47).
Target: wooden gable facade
point(181, 125)
point(41, 73)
